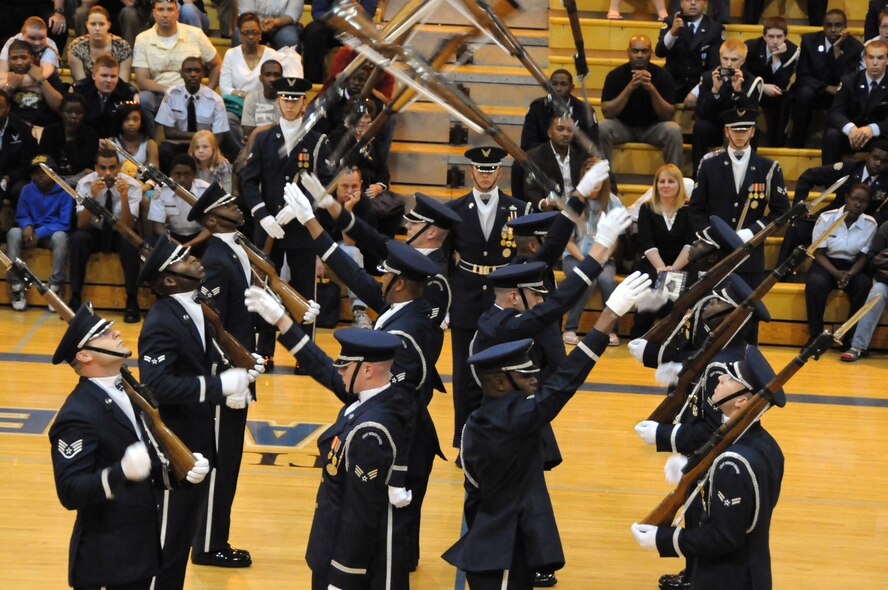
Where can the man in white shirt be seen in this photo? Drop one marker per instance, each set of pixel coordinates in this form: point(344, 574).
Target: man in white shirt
point(168, 212)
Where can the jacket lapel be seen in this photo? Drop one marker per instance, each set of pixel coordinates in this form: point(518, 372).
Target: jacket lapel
point(110, 406)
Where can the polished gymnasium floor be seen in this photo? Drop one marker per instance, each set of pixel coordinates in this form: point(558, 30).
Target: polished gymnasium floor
point(830, 529)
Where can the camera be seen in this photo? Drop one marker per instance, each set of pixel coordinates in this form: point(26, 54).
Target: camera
point(687, 18)
point(726, 72)
point(110, 181)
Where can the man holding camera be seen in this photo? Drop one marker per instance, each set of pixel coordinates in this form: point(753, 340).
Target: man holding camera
point(689, 41)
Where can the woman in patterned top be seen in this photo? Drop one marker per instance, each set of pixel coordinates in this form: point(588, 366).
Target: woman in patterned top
point(98, 41)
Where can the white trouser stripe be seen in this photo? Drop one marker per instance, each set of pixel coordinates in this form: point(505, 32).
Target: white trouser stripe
point(212, 494)
point(203, 388)
point(388, 550)
point(505, 584)
point(165, 514)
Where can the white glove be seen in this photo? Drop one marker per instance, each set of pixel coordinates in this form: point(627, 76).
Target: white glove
point(667, 373)
point(200, 469)
point(272, 227)
point(260, 301)
point(651, 300)
point(136, 463)
point(399, 497)
point(636, 348)
point(647, 430)
point(239, 401)
point(285, 215)
point(234, 381)
point(645, 534)
point(611, 225)
point(745, 234)
point(593, 178)
point(628, 292)
point(674, 464)
point(311, 314)
point(297, 201)
point(259, 365)
point(316, 189)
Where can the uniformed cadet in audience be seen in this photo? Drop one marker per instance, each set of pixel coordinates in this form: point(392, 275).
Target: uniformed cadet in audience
point(105, 465)
point(352, 543)
point(511, 525)
point(168, 212)
point(730, 544)
point(181, 362)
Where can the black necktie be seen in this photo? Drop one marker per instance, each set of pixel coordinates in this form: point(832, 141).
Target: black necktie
point(107, 230)
point(738, 155)
point(192, 115)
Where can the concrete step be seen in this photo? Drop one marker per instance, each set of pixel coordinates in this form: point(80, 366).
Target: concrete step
point(429, 122)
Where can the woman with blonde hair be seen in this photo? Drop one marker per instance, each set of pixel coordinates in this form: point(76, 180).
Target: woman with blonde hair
point(212, 166)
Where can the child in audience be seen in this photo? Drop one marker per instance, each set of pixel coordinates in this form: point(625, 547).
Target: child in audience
point(212, 166)
point(131, 134)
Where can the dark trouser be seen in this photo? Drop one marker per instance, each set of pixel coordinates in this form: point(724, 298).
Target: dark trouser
point(214, 524)
point(818, 286)
point(464, 402)
point(302, 278)
point(179, 511)
point(752, 12)
point(422, 456)
point(707, 134)
point(776, 109)
point(805, 100)
point(140, 585)
point(835, 145)
point(84, 242)
point(519, 577)
point(797, 234)
point(317, 40)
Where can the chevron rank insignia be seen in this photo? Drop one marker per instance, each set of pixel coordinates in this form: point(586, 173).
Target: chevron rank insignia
point(210, 292)
point(70, 451)
point(365, 476)
point(728, 502)
point(154, 361)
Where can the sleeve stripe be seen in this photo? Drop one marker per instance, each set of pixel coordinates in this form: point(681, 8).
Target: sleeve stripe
point(348, 570)
point(351, 223)
point(106, 485)
point(203, 388)
point(583, 276)
point(300, 345)
point(582, 346)
point(329, 252)
point(261, 204)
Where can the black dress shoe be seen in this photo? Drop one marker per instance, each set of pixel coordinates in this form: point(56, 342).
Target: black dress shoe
point(131, 313)
point(679, 581)
point(269, 364)
point(298, 370)
point(544, 580)
point(74, 302)
point(224, 558)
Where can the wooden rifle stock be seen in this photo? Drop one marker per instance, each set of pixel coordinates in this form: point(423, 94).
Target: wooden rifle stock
point(237, 354)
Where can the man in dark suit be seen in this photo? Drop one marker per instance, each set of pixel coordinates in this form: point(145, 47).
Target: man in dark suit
point(104, 93)
point(825, 58)
point(774, 59)
point(859, 111)
point(739, 185)
point(689, 40)
point(278, 158)
point(872, 171)
point(559, 159)
point(541, 110)
point(105, 464)
point(180, 361)
point(511, 525)
point(17, 148)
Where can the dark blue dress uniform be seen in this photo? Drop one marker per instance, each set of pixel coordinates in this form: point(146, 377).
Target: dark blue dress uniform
point(854, 103)
point(692, 55)
point(116, 536)
point(776, 108)
point(352, 544)
point(511, 525)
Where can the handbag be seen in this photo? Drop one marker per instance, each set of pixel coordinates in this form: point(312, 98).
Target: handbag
point(387, 204)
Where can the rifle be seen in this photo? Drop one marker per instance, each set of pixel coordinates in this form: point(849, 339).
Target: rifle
point(701, 461)
point(261, 264)
point(716, 340)
point(580, 64)
point(666, 326)
point(180, 457)
point(238, 355)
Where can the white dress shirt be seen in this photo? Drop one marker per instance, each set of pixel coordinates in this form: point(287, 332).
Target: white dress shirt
point(739, 166)
point(109, 386)
point(387, 314)
point(486, 211)
point(845, 243)
point(364, 396)
point(194, 310)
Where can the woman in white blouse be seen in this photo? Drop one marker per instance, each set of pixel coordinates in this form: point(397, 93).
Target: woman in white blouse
point(277, 19)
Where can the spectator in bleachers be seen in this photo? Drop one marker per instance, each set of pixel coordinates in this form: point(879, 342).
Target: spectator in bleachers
point(212, 166)
point(187, 108)
point(338, 109)
point(168, 212)
point(873, 22)
point(637, 104)
point(71, 142)
point(774, 58)
point(859, 111)
point(42, 220)
point(240, 70)
point(192, 12)
point(825, 58)
point(718, 10)
point(752, 12)
point(729, 86)
point(277, 20)
point(613, 10)
point(878, 261)
point(17, 147)
point(130, 132)
point(319, 39)
point(535, 129)
point(127, 17)
point(840, 261)
point(84, 50)
point(105, 91)
point(225, 12)
point(873, 171)
point(35, 98)
point(559, 159)
point(690, 47)
point(881, 33)
point(44, 50)
point(260, 105)
point(16, 12)
point(158, 53)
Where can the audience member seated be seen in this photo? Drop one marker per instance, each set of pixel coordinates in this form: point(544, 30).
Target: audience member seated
point(42, 220)
point(105, 91)
point(17, 147)
point(690, 47)
point(240, 70)
point(128, 18)
point(881, 32)
point(35, 98)
point(71, 142)
point(43, 49)
point(98, 42)
point(385, 85)
point(338, 109)
point(825, 58)
point(319, 39)
point(188, 108)
point(718, 10)
point(158, 54)
point(112, 189)
point(559, 159)
point(773, 58)
point(872, 22)
point(598, 203)
point(15, 12)
point(277, 21)
point(729, 86)
point(168, 212)
point(752, 12)
point(637, 104)
point(859, 111)
point(212, 166)
point(192, 12)
point(872, 171)
point(878, 262)
point(130, 133)
point(535, 130)
point(665, 234)
point(613, 11)
point(840, 261)
point(260, 105)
